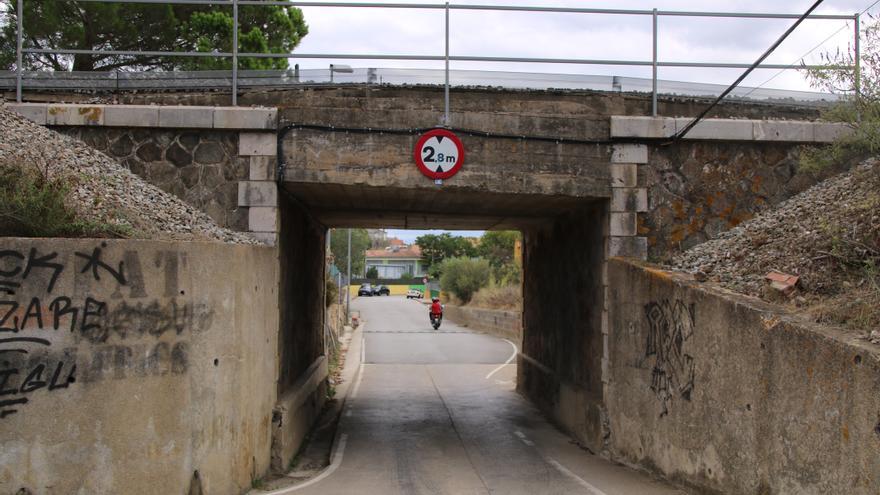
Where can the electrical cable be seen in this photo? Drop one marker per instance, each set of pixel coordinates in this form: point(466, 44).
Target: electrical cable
point(683, 132)
point(811, 50)
point(459, 130)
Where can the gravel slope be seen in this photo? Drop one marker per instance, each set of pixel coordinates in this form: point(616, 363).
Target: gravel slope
point(102, 190)
point(829, 236)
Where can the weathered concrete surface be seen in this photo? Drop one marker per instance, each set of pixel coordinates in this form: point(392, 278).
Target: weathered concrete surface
point(560, 367)
point(500, 323)
point(129, 366)
point(727, 394)
point(300, 344)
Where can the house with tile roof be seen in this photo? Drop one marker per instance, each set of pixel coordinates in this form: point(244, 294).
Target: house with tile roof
point(396, 260)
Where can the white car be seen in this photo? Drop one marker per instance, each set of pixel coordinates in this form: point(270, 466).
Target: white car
point(414, 294)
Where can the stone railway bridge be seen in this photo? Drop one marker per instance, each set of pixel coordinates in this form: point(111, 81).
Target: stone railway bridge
point(586, 176)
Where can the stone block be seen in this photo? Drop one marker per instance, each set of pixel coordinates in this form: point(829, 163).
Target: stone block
point(186, 117)
point(35, 112)
point(629, 199)
point(263, 167)
point(828, 132)
point(779, 130)
point(628, 247)
point(267, 238)
point(629, 153)
point(76, 115)
point(642, 127)
point(624, 175)
point(257, 193)
point(131, 116)
point(622, 224)
point(263, 219)
point(245, 118)
point(718, 129)
point(257, 144)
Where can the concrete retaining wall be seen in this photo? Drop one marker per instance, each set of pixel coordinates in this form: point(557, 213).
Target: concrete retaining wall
point(729, 395)
point(504, 324)
point(136, 367)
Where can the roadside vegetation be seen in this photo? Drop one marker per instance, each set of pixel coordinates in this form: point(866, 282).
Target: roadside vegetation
point(484, 273)
point(35, 204)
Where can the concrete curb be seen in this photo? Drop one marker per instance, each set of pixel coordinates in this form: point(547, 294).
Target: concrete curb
point(349, 374)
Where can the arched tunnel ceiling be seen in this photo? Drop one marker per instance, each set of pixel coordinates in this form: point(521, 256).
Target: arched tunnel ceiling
point(338, 205)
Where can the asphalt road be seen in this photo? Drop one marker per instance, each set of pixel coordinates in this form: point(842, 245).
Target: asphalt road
point(435, 412)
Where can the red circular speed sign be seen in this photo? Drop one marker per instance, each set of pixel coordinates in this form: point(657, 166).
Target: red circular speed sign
point(439, 154)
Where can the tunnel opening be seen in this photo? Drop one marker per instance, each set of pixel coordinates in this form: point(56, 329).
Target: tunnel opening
point(559, 358)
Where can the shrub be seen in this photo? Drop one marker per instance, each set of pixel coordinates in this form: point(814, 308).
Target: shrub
point(463, 277)
point(331, 292)
point(372, 273)
point(34, 205)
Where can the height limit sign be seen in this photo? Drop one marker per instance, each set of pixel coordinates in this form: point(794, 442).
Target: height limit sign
point(439, 154)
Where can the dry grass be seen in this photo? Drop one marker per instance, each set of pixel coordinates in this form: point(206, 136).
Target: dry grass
point(507, 297)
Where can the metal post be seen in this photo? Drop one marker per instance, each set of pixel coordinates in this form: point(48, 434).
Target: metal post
point(348, 285)
point(446, 89)
point(654, 68)
point(858, 56)
point(234, 52)
point(19, 37)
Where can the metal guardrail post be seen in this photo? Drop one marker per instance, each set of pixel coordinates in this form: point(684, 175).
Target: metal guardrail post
point(234, 52)
point(446, 87)
point(654, 66)
point(19, 58)
point(858, 56)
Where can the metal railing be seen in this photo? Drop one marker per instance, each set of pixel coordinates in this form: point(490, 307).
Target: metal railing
point(446, 57)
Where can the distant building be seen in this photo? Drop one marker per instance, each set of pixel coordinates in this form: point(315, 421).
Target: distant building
point(396, 260)
point(378, 238)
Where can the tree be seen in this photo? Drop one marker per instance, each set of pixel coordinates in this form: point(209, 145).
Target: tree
point(69, 24)
point(436, 248)
point(859, 109)
point(360, 242)
point(464, 277)
point(498, 247)
point(372, 273)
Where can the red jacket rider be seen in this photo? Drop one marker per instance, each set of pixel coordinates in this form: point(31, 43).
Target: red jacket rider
point(436, 307)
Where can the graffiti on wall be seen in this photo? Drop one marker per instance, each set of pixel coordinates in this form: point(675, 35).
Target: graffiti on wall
point(671, 326)
point(104, 325)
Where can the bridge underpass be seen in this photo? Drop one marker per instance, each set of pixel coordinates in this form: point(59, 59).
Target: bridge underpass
point(575, 200)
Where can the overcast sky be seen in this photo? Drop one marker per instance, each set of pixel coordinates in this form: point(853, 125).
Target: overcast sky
point(549, 35)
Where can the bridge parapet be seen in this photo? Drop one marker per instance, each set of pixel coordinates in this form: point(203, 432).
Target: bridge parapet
point(779, 131)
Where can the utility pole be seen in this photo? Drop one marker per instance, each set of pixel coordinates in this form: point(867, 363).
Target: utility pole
point(348, 284)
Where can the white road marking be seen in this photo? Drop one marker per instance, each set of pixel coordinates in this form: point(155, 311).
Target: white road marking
point(559, 467)
point(496, 370)
point(338, 451)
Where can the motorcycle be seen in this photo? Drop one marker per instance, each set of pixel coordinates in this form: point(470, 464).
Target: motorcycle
point(435, 320)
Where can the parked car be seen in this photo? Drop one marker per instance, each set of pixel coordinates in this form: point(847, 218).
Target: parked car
point(414, 294)
point(381, 290)
point(365, 290)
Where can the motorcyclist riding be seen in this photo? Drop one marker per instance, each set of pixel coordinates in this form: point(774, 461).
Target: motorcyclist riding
point(436, 312)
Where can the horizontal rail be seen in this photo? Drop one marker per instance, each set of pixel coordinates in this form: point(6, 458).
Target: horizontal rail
point(456, 58)
point(507, 8)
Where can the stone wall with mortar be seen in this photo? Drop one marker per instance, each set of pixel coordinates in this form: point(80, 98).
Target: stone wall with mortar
point(500, 323)
point(129, 367)
point(722, 173)
point(201, 167)
point(728, 394)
